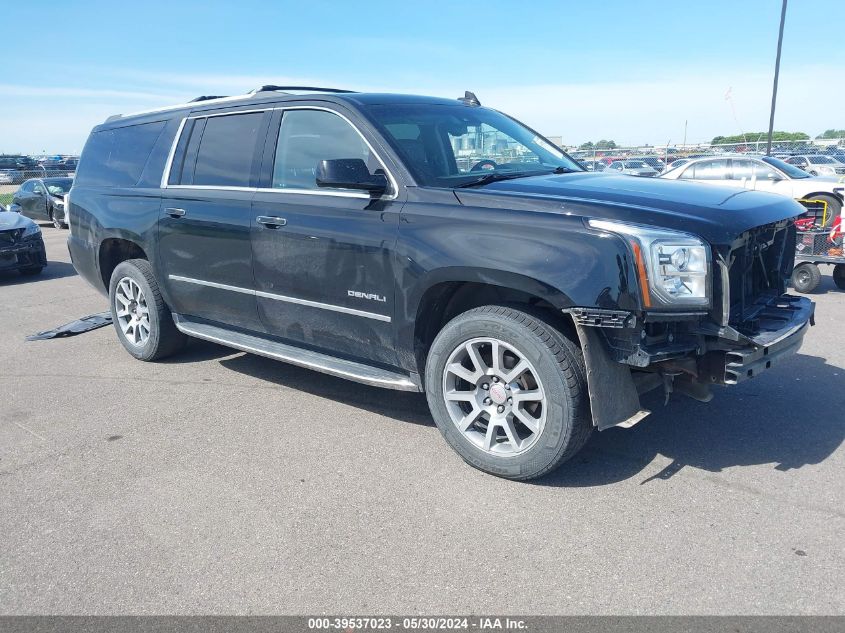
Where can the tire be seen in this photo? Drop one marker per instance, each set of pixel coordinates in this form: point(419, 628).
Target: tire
point(55, 220)
point(511, 449)
point(834, 207)
point(839, 276)
point(806, 277)
point(31, 271)
point(150, 338)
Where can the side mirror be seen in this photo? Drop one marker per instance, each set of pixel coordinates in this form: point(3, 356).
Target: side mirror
point(349, 173)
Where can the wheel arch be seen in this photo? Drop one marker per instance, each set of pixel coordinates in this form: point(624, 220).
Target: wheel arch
point(114, 250)
point(453, 291)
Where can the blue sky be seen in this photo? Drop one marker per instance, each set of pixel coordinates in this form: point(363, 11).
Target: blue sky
point(631, 70)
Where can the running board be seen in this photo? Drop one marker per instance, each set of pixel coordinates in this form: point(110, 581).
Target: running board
point(366, 374)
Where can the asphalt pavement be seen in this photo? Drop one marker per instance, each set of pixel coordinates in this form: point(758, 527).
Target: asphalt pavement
point(220, 482)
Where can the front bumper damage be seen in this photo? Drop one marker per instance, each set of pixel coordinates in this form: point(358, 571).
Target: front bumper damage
point(627, 356)
point(18, 254)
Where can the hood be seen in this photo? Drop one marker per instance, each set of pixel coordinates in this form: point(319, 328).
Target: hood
point(717, 214)
point(9, 220)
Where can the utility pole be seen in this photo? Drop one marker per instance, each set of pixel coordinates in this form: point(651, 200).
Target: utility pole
point(775, 86)
point(685, 133)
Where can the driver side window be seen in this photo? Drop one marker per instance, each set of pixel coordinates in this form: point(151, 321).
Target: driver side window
point(38, 188)
point(307, 137)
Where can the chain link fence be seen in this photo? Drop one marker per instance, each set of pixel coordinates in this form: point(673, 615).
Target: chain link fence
point(808, 155)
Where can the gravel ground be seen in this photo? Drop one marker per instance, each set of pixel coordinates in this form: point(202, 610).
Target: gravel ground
point(219, 482)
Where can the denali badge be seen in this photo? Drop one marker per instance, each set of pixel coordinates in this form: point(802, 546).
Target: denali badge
point(366, 295)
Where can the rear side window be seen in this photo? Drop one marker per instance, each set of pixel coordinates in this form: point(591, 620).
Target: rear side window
point(116, 157)
point(219, 150)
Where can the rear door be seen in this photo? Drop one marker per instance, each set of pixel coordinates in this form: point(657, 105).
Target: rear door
point(23, 198)
point(204, 223)
point(324, 271)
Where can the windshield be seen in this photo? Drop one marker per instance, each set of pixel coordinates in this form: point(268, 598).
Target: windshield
point(821, 160)
point(790, 170)
point(452, 145)
point(58, 186)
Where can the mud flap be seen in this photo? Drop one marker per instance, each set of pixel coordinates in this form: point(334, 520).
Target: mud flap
point(614, 400)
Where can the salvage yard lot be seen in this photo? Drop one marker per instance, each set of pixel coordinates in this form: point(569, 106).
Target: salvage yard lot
point(219, 482)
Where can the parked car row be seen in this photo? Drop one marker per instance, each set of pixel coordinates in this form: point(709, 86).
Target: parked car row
point(15, 168)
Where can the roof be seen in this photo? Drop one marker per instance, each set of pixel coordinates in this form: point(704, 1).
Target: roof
point(277, 96)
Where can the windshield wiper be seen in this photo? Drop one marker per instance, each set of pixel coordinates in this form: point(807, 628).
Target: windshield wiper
point(564, 170)
point(486, 179)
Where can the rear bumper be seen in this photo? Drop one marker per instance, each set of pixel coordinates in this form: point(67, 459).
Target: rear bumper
point(83, 258)
point(23, 254)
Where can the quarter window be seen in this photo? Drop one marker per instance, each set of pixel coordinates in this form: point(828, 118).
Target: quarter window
point(307, 137)
point(116, 157)
point(227, 150)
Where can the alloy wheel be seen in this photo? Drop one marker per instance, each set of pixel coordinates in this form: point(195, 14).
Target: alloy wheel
point(494, 396)
point(133, 315)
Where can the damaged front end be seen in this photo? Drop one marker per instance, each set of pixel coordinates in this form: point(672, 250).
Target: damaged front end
point(751, 326)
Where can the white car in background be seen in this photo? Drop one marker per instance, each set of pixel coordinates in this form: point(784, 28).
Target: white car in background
point(818, 165)
point(764, 173)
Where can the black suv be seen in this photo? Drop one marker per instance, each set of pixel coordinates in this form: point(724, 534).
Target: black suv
point(432, 245)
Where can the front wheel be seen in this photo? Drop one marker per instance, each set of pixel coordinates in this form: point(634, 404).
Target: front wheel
point(143, 321)
point(839, 276)
point(57, 218)
point(806, 277)
point(508, 392)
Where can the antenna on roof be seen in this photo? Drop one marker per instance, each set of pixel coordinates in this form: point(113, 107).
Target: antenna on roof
point(469, 98)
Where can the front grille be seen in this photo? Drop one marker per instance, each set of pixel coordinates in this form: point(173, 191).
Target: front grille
point(759, 270)
point(840, 170)
point(10, 237)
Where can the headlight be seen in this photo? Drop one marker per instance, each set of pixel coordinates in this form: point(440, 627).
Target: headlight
point(31, 231)
point(673, 268)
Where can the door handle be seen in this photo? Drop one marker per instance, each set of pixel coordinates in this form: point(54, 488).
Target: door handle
point(175, 213)
point(271, 222)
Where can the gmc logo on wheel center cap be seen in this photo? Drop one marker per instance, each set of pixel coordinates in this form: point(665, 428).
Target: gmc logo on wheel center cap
point(497, 393)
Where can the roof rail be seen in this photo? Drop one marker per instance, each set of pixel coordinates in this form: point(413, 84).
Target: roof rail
point(272, 88)
point(207, 97)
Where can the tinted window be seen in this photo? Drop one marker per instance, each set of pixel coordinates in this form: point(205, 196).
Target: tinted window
point(27, 187)
point(117, 157)
point(227, 150)
point(307, 137)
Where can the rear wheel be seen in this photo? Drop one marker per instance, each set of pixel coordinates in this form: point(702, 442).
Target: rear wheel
point(508, 392)
point(839, 276)
point(806, 277)
point(834, 208)
point(143, 321)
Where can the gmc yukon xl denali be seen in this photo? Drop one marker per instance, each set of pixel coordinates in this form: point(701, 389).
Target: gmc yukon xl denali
point(432, 245)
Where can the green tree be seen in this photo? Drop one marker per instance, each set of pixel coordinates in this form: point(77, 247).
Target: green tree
point(602, 144)
point(760, 137)
point(832, 134)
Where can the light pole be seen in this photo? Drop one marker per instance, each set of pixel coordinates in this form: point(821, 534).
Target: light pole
point(775, 86)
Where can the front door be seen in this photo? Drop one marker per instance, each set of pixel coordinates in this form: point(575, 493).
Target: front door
point(324, 269)
point(205, 219)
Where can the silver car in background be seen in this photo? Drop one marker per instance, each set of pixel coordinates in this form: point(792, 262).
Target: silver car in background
point(818, 165)
point(632, 168)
